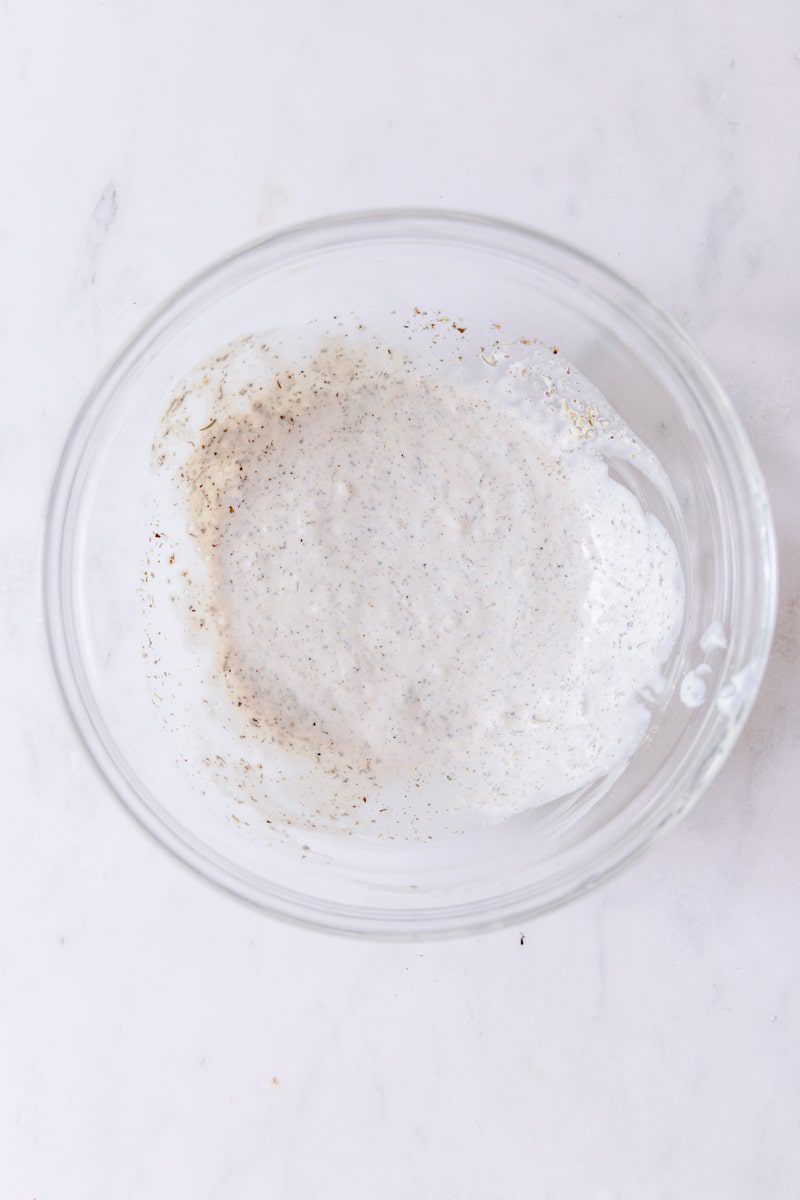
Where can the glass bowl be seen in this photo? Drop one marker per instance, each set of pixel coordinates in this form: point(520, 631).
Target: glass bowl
point(96, 543)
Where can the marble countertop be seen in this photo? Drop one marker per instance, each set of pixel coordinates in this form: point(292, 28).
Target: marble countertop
point(158, 1039)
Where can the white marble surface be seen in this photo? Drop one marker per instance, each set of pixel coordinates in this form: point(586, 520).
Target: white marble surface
point(160, 1040)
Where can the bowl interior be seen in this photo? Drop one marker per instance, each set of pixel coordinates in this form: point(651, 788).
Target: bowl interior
point(160, 757)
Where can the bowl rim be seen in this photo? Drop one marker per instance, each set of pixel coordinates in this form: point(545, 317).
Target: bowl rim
point(296, 907)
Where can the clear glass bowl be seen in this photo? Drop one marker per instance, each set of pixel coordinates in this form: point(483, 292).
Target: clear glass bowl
point(652, 375)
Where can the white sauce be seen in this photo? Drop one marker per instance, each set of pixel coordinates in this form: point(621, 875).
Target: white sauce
point(693, 686)
point(732, 694)
point(713, 639)
point(410, 578)
point(694, 689)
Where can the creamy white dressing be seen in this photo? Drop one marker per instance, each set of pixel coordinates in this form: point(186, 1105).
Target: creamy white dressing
point(416, 575)
point(713, 638)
